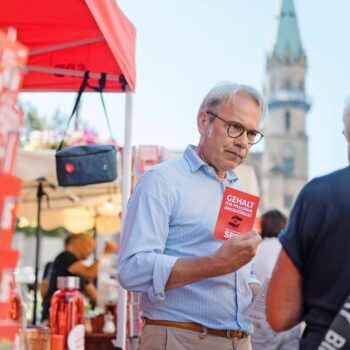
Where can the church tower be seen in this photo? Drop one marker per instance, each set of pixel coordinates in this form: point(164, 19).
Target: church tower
point(284, 162)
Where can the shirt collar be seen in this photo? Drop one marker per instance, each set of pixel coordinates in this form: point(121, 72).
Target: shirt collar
point(196, 162)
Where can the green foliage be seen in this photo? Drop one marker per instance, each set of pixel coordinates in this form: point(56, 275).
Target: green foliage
point(33, 121)
point(58, 121)
point(30, 230)
point(42, 132)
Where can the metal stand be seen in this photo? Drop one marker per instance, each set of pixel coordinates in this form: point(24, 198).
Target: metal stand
point(40, 194)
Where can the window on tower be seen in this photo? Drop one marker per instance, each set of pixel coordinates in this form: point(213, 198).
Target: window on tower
point(288, 201)
point(287, 84)
point(287, 121)
point(288, 160)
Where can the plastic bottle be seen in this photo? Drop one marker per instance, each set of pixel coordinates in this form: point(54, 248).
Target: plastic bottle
point(67, 315)
point(15, 311)
point(108, 326)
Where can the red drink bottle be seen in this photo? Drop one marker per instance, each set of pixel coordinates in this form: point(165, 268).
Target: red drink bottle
point(15, 311)
point(67, 315)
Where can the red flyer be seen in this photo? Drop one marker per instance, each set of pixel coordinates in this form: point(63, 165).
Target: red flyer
point(237, 213)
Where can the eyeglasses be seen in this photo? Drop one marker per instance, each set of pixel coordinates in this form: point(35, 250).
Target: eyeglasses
point(235, 130)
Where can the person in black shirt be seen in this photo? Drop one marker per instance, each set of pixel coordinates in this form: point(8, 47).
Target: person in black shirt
point(311, 279)
point(68, 263)
point(44, 283)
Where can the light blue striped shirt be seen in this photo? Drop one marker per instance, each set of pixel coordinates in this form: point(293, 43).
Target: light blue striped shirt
point(172, 214)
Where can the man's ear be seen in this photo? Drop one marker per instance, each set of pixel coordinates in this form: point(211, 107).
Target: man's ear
point(202, 122)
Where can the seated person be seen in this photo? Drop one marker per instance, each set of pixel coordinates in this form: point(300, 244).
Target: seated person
point(68, 263)
point(44, 283)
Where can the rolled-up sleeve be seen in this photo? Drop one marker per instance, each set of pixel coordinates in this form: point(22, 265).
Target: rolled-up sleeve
point(161, 272)
point(142, 265)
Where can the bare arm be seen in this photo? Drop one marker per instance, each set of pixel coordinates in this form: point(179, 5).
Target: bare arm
point(284, 297)
point(91, 292)
point(233, 254)
point(84, 271)
point(43, 287)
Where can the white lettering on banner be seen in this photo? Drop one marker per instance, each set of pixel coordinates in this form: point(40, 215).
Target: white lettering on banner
point(9, 119)
point(326, 346)
point(333, 341)
point(346, 314)
point(8, 213)
point(5, 285)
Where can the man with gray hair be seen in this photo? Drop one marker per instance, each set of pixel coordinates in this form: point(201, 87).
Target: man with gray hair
point(194, 288)
point(311, 279)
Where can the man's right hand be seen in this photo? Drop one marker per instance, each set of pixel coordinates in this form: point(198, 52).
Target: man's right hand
point(233, 254)
point(236, 252)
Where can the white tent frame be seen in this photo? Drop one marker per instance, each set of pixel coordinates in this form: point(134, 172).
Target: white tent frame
point(126, 191)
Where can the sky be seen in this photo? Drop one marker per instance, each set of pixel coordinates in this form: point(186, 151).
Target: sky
point(184, 47)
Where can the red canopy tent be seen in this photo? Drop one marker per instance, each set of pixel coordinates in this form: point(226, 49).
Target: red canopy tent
point(66, 38)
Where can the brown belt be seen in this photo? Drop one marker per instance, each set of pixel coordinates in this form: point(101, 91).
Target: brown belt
point(230, 334)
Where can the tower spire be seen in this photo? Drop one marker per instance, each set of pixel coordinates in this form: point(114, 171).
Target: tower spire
point(286, 38)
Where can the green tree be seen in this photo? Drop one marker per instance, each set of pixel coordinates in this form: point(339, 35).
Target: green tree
point(58, 121)
point(32, 120)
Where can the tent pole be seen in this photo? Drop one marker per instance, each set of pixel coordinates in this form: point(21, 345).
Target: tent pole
point(74, 73)
point(40, 194)
point(126, 190)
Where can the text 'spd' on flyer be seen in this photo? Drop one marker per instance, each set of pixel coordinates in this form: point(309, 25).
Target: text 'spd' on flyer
point(237, 213)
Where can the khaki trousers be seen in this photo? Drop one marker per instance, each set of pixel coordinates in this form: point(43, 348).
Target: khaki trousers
point(171, 338)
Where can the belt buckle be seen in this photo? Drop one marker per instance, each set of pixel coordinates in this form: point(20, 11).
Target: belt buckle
point(239, 334)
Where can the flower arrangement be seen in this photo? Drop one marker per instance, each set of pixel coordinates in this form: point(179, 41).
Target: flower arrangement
point(49, 139)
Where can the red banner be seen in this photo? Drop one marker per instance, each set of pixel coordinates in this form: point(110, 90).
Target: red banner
point(13, 58)
point(9, 194)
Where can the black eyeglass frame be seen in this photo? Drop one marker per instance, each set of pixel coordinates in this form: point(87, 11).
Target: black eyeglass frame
point(234, 124)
